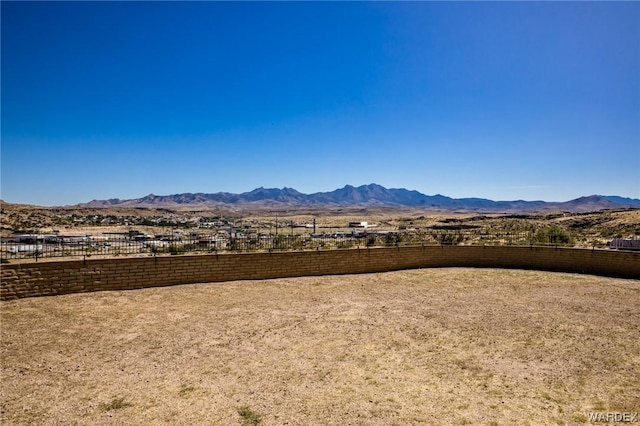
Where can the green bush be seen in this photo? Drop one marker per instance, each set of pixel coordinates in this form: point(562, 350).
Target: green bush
point(553, 235)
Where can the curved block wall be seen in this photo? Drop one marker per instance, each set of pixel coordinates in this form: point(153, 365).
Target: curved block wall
point(63, 277)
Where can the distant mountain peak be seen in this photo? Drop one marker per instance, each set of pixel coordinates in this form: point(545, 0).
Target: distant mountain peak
point(365, 195)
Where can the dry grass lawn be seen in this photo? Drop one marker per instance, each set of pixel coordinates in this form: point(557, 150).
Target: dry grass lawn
point(435, 346)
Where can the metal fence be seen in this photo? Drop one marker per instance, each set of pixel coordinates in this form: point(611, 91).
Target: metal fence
point(47, 246)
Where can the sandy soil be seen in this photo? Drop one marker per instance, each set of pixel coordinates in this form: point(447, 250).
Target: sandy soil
point(435, 346)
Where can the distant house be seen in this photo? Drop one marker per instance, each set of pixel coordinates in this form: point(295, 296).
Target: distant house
point(358, 224)
point(624, 244)
point(36, 238)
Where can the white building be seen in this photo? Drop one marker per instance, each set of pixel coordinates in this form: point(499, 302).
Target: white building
point(358, 224)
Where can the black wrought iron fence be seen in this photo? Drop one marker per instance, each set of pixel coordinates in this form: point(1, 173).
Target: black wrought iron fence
point(48, 246)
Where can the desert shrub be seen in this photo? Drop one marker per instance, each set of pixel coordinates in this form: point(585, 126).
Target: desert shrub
point(392, 239)
point(279, 242)
point(249, 417)
point(553, 235)
point(345, 244)
point(251, 243)
point(177, 248)
point(298, 244)
point(448, 239)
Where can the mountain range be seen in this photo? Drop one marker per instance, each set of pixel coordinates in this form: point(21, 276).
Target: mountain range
point(365, 195)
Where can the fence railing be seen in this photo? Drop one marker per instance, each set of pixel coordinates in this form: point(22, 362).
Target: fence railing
point(48, 246)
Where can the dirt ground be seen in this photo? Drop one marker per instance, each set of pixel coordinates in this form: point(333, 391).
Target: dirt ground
point(435, 346)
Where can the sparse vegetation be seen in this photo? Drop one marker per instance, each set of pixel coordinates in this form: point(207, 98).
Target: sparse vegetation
point(392, 239)
point(448, 239)
point(309, 229)
point(186, 390)
point(116, 403)
point(249, 417)
point(456, 345)
point(280, 242)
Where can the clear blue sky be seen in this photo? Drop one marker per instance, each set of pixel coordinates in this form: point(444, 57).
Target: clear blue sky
point(515, 100)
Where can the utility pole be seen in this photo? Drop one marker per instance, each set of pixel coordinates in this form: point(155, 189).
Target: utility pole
point(276, 213)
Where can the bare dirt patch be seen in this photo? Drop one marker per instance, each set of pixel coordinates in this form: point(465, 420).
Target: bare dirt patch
point(434, 346)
